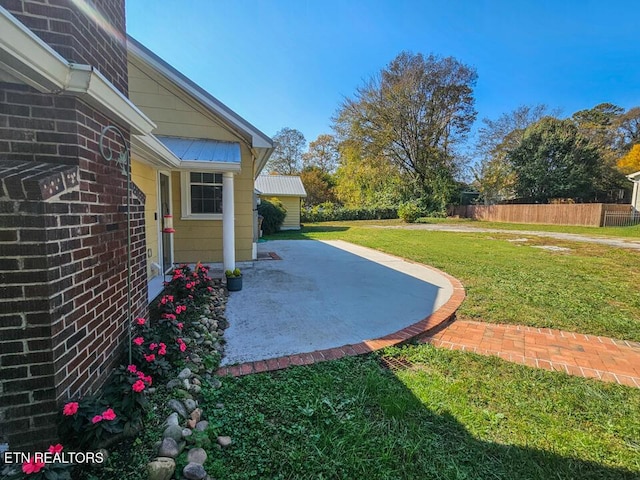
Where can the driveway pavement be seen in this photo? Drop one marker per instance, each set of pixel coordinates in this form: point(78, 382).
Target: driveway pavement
point(325, 294)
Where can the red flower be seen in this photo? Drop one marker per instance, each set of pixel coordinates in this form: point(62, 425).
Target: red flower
point(140, 321)
point(163, 349)
point(153, 346)
point(170, 297)
point(109, 414)
point(183, 347)
point(132, 369)
point(70, 408)
point(138, 386)
point(210, 289)
point(150, 358)
point(148, 379)
point(169, 316)
point(55, 448)
point(96, 419)
point(138, 341)
point(180, 325)
point(32, 466)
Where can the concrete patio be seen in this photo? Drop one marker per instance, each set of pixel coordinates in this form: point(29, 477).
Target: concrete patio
point(325, 294)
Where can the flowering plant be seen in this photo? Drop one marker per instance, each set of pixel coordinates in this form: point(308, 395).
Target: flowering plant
point(88, 422)
point(128, 391)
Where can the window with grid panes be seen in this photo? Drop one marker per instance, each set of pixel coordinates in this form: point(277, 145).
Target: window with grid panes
point(206, 192)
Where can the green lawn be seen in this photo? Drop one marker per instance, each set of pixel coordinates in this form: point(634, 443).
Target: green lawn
point(450, 415)
point(590, 289)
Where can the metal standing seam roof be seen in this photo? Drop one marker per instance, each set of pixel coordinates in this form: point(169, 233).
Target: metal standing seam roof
point(284, 185)
point(202, 150)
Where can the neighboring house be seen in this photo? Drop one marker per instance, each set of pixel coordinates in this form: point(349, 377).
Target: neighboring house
point(289, 190)
point(635, 196)
point(199, 166)
point(67, 73)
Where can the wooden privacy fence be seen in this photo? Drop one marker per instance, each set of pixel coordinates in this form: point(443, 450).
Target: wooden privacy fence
point(585, 214)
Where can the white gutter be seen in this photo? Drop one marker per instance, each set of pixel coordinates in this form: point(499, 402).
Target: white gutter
point(25, 57)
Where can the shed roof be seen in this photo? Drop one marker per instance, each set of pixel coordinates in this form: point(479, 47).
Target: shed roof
point(634, 177)
point(202, 150)
point(281, 185)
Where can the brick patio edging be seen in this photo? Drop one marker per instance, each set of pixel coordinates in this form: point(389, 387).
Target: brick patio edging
point(425, 327)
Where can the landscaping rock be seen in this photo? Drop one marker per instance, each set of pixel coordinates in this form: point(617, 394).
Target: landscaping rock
point(215, 383)
point(161, 468)
point(196, 389)
point(178, 407)
point(185, 373)
point(224, 441)
point(194, 471)
point(219, 405)
point(191, 423)
point(197, 455)
point(202, 425)
point(196, 414)
point(186, 432)
point(190, 404)
point(174, 384)
point(168, 448)
point(173, 431)
point(172, 419)
point(186, 384)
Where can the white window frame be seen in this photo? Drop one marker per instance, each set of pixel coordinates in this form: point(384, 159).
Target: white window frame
point(185, 180)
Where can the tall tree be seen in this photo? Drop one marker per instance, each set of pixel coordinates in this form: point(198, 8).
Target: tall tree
point(323, 154)
point(554, 161)
point(412, 114)
point(628, 125)
point(494, 176)
point(319, 186)
point(630, 163)
point(289, 146)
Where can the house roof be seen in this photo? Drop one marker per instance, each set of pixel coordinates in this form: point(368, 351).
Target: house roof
point(281, 185)
point(634, 177)
point(260, 142)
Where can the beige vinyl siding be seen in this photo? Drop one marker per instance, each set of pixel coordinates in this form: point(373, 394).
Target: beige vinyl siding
point(146, 178)
point(176, 114)
point(292, 220)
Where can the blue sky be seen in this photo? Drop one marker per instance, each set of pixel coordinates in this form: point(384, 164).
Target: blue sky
point(282, 63)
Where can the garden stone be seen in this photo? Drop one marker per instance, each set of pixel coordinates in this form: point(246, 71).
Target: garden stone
point(161, 468)
point(224, 441)
point(180, 393)
point(202, 425)
point(151, 390)
point(197, 455)
point(219, 405)
point(215, 383)
point(191, 423)
point(196, 414)
point(195, 358)
point(196, 381)
point(186, 384)
point(185, 373)
point(173, 431)
point(194, 471)
point(196, 389)
point(186, 432)
point(168, 448)
point(174, 383)
point(178, 407)
point(208, 343)
point(190, 404)
point(172, 419)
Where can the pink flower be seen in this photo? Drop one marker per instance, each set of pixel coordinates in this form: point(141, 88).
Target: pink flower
point(55, 448)
point(138, 341)
point(132, 369)
point(180, 325)
point(169, 316)
point(153, 346)
point(148, 380)
point(96, 419)
point(32, 466)
point(109, 414)
point(138, 386)
point(163, 349)
point(170, 297)
point(140, 321)
point(210, 289)
point(70, 408)
point(150, 358)
point(183, 347)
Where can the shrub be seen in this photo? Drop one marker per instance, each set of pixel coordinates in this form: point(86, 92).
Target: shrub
point(273, 213)
point(329, 212)
point(409, 212)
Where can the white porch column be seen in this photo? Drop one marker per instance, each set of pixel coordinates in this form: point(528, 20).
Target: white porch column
point(228, 223)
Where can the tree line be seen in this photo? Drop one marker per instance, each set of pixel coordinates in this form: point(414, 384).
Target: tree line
point(399, 139)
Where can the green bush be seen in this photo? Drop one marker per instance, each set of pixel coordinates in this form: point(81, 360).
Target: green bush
point(273, 213)
point(409, 212)
point(327, 212)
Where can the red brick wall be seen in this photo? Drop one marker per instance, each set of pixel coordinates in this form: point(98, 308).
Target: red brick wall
point(63, 234)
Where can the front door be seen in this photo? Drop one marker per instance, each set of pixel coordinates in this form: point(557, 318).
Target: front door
point(166, 240)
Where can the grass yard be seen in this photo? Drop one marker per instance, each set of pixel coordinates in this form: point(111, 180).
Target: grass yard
point(590, 289)
point(450, 415)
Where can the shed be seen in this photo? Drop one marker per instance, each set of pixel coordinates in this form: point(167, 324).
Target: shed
point(289, 190)
point(635, 198)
